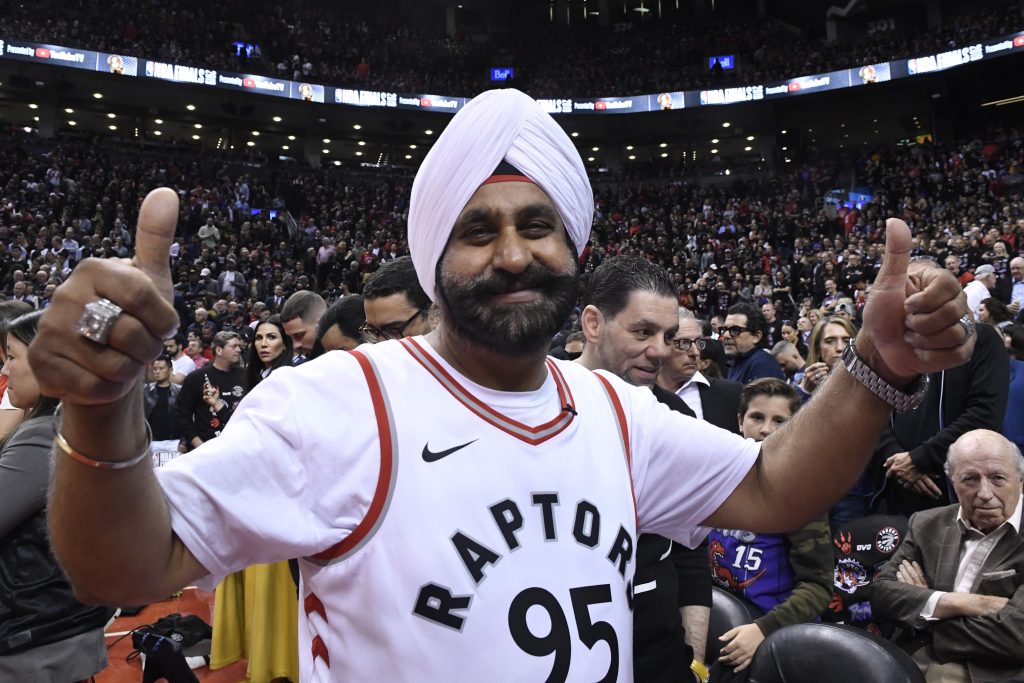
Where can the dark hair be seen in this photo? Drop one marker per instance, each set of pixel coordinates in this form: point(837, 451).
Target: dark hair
point(163, 357)
point(397, 277)
point(24, 328)
point(576, 337)
point(1016, 335)
point(303, 304)
point(756, 321)
point(179, 340)
point(998, 312)
point(771, 387)
point(347, 314)
point(255, 367)
point(13, 308)
point(714, 352)
point(612, 283)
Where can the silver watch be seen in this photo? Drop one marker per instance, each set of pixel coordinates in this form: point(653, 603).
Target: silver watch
point(899, 400)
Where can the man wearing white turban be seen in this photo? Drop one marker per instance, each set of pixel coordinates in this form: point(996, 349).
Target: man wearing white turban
point(465, 508)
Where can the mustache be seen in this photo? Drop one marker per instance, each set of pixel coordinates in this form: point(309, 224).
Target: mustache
point(503, 282)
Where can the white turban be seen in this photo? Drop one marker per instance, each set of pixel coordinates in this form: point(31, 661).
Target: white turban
point(496, 125)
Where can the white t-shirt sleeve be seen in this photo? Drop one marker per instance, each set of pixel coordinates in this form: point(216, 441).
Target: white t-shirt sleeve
point(5, 402)
point(290, 476)
point(683, 468)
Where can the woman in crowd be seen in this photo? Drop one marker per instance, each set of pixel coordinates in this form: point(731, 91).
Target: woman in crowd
point(994, 312)
point(828, 340)
point(271, 349)
point(789, 576)
point(791, 334)
point(256, 609)
point(46, 635)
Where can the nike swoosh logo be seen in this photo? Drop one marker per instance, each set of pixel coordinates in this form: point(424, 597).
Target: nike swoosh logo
point(432, 456)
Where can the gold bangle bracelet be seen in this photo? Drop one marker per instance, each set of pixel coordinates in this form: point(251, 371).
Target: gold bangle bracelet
point(698, 667)
point(63, 445)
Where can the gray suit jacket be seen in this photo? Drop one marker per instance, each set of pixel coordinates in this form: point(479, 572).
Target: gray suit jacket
point(991, 646)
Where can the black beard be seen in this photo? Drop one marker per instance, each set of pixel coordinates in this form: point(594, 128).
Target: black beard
point(514, 330)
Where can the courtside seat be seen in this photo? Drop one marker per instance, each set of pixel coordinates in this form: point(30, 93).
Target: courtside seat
point(812, 653)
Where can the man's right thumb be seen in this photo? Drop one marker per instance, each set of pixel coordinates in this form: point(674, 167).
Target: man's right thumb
point(893, 272)
point(158, 219)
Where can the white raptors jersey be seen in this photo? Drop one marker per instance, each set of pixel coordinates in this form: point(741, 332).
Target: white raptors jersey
point(449, 532)
point(493, 549)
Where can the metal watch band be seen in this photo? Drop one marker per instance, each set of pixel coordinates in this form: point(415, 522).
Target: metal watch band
point(899, 400)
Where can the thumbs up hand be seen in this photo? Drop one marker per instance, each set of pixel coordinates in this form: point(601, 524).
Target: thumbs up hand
point(80, 371)
point(912, 315)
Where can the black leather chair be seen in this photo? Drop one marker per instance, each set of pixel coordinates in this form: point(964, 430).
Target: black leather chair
point(727, 612)
point(812, 653)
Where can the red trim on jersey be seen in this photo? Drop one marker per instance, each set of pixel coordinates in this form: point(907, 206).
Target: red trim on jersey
point(507, 178)
point(320, 650)
point(620, 415)
point(312, 604)
point(380, 495)
point(496, 419)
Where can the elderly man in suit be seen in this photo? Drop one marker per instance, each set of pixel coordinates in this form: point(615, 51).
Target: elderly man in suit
point(713, 400)
point(958, 579)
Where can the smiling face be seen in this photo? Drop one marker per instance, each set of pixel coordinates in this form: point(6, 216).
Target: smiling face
point(507, 279)
point(635, 343)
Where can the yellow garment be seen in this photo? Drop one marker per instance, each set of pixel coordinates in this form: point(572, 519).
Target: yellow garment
point(256, 617)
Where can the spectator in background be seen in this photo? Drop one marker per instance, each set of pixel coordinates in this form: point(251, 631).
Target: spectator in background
point(300, 316)
point(45, 633)
point(396, 306)
point(629, 318)
point(980, 288)
point(209, 395)
point(10, 416)
point(714, 399)
point(1013, 424)
point(195, 352)
point(713, 361)
point(790, 361)
point(992, 311)
point(339, 326)
point(955, 582)
point(1017, 286)
point(271, 349)
point(789, 576)
point(181, 364)
point(742, 335)
point(829, 339)
point(574, 345)
point(159, 400)
point(911, 450)
point(231, 282)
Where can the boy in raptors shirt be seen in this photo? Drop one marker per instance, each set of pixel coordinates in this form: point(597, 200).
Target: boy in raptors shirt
point(464, 507)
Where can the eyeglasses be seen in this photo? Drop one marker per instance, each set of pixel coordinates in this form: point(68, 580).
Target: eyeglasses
point(372, 335)
point(734, 330)
point(685, 344)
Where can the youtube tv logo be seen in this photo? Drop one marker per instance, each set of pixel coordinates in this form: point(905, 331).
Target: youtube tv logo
point(42, 53)
point(1018, 41)
point(425, 102)
point(794, 87)
point(600, 106)
point(248, 83)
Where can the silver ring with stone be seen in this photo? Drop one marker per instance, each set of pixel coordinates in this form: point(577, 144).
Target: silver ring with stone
point(967, 322)
point(97, 319)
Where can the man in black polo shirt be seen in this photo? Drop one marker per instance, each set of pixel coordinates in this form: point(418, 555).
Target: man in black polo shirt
point(209, 395)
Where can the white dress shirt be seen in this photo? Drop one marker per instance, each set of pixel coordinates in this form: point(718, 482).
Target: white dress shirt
point(690, 393)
